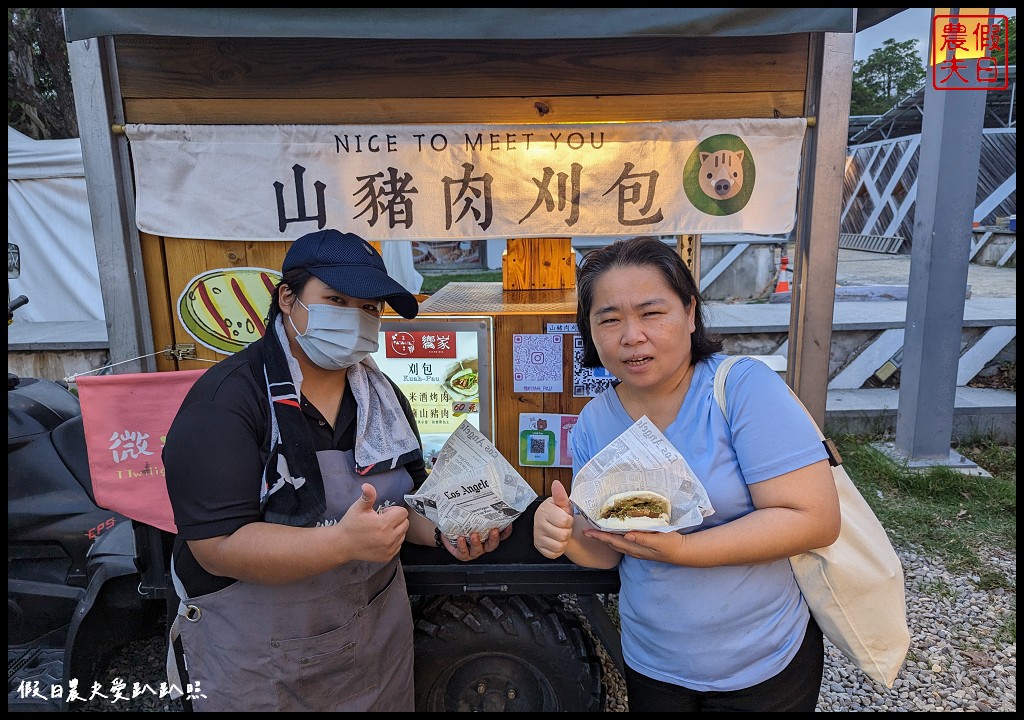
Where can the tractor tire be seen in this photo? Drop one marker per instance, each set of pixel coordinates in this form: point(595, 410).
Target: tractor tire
point(503, 653)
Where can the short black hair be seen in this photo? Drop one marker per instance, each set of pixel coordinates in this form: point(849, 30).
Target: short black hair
point(646, 252)
point(295, 279)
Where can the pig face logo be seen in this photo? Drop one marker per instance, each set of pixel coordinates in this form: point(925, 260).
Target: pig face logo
point(719, 175)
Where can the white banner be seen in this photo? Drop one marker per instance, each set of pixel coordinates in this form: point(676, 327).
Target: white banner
point(434, 182)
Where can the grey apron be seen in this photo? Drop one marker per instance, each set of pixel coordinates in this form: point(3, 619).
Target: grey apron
point(341, 640)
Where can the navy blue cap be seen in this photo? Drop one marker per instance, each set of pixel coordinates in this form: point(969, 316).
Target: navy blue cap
point(350, 265)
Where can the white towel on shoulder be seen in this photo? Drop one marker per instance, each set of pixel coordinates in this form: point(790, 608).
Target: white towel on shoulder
point(383, 433)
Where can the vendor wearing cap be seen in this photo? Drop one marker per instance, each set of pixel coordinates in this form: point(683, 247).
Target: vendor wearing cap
point(287, 467)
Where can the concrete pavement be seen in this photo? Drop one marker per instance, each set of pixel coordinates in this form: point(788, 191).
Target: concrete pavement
point(860, 267)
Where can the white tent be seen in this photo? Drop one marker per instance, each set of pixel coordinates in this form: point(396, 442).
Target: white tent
point(48, 219)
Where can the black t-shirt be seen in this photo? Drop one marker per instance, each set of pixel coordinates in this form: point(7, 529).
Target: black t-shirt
point(216, 450)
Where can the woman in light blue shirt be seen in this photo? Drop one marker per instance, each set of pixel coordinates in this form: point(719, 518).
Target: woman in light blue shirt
point(711, 616)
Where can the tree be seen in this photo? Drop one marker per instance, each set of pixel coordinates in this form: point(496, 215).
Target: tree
point(1011, 42)
point(889, 74)
point(40, 101)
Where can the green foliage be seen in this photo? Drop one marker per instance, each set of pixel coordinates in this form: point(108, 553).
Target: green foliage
point(1007, 632)
point(1000, 460)
point(962, 519)
point(889, 74)
point(434, 282)
point(1011, 42)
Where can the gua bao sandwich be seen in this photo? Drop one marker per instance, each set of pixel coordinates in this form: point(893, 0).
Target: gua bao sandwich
point(635, 510)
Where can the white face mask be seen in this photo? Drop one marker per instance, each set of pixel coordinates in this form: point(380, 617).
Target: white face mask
point(337, 337)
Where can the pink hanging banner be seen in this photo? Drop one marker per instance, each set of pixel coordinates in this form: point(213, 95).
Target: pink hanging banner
point(126, 419)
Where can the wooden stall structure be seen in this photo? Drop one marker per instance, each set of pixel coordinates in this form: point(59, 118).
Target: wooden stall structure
point(404, 66)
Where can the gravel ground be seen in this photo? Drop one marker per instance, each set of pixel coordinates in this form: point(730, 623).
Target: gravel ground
point(959, 660)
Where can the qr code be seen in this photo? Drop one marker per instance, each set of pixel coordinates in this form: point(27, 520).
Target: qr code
point(537, 361)
point(587, 382)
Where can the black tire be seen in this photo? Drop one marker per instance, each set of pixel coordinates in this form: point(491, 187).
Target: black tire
point(503, 653)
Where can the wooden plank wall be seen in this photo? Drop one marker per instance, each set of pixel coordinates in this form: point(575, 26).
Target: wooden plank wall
point(510, 404)
point(171, 263)
point(313, 81)
point(250, 81)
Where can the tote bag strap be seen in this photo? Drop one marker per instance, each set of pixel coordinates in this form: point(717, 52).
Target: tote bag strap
point(720, 376)
point(854, 587)
point(722, 373)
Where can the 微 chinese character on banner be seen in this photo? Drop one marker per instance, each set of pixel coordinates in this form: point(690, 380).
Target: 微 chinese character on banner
point(126, 418)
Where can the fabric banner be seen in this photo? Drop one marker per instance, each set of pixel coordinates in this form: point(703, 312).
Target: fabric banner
point(437, 182)
point(126, 419)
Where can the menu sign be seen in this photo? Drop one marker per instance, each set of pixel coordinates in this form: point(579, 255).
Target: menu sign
point(443, 369)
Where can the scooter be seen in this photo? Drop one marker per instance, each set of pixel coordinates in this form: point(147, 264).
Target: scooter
point(73, 585)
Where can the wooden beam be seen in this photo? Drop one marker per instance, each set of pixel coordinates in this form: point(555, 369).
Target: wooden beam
point(422, 110)
point(688, 247)
point(315, 68)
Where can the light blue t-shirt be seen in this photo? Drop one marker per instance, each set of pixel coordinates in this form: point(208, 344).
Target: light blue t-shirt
point(722, 628)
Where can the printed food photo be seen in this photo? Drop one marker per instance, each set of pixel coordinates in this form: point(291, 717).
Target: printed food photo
point(463, 379)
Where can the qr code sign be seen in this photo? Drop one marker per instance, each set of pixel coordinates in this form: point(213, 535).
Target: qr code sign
point(587, 382)
point(537, 363)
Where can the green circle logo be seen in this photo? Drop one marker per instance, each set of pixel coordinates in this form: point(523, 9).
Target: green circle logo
point(719, 175)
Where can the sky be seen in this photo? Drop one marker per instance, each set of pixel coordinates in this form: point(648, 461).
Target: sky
point(911, 24)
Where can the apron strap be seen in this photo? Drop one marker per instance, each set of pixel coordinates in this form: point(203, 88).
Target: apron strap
point(173, 675)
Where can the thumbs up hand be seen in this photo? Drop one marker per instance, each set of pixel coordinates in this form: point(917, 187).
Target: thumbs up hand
point(560, 497)
point(374, 536)
point(368, 497)
point(553, 523)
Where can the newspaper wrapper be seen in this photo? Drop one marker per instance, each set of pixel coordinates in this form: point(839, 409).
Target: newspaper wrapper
point(471, 488)
point(641, 458)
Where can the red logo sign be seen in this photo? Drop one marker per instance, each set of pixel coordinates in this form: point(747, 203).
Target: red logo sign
point(969, 52)
point(419, 344)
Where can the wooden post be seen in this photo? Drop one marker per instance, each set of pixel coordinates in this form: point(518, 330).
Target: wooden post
point(688, 247)
point(538, 264)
